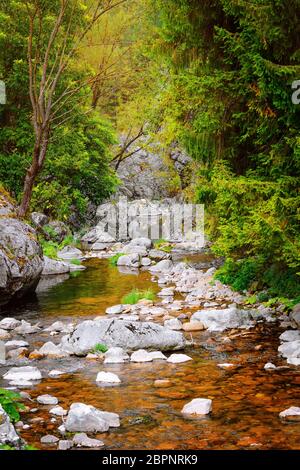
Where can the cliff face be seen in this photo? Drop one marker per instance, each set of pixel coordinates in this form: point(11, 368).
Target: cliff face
point(21, 257)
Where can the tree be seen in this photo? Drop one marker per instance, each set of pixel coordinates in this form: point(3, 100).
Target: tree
point(56, 30)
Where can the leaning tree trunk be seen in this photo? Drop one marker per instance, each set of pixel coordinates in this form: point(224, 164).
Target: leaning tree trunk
point(39, 154)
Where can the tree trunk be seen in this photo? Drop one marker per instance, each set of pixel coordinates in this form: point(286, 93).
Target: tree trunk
point(33, 171)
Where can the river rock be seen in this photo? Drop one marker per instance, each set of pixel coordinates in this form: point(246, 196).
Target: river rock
point(8, 434)
point(49, 439)
point(87, 418)
point(223, 319)
point(146, 262)
point(294, 361)
point(173, 324)
point(115, 310)
point(290, 349)
point(26, 373)
point(108, 377)
point(4, 335)
point(293, 411)
point(69, 252)
point(163, 266)
point(26, 328)
point(53, 267)
point(270, 366)
point(21, 259)
point(58, 411)
point(141, 356)
point(130, 260)
point(198, 406)
point(65, 444)
point(50, 349)
point(47, 400)
point(9, 323)
point(128, 335)
point(56, 373)
point(167, 292)
point(115, 356)
point(290, 335)
point(179, 358)
point(144, 242)
point(158, 255)
point(82, 440)
point(193, 326)
point(15, 345)
point(59, 327)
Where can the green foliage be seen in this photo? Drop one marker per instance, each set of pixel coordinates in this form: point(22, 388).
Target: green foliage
point(255, 274)
point(11, 403)
point(75, 261)
point(100, 348)
point(51, 248)
point(113, 261)
point(77, 168)
point(241, 274)
point(135, 295)
point(163, 245)
point(230, 65)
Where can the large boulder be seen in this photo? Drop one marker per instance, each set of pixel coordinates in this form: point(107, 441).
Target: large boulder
point(223, 319)
point(131, 260)
point(124, 334)
point(21, 259)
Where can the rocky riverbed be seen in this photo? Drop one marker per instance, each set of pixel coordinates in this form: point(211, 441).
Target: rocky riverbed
point(195, 368)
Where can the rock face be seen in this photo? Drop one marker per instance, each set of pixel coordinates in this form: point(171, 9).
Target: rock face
point(222, 319)
point(86, 418)
point(124, 334)
point(8, 434)
point(21, 258)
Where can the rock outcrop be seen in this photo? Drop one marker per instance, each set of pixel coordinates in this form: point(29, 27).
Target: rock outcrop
point(21, 257)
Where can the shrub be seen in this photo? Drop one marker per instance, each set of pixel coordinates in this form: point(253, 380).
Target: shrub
point(241, 274)
point(100, 348)
point(135, 295)
point(10, 402)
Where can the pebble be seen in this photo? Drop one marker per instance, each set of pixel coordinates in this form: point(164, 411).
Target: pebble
point(49, 439)
point(47, 400)
point(82, 440)
point(193, 326)
point(65, 445)
point(198, 406)
point(293, 411)
point(108, 377)
point(269, 366)
point(58, 411)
